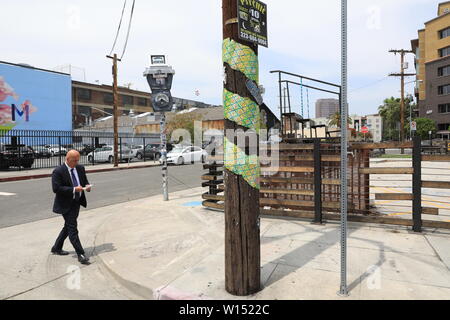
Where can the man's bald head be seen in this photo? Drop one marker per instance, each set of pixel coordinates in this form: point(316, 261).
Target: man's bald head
point(72, 158)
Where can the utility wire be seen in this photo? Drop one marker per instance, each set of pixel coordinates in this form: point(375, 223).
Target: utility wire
point(118, 29)
point(370, 84)
point(129, 28)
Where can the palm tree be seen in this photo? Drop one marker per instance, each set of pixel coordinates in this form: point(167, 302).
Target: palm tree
point(335, 120)
point(390, 111)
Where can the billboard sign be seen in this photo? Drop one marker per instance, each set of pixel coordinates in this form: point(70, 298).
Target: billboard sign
point(34, 99)
point(252, 21)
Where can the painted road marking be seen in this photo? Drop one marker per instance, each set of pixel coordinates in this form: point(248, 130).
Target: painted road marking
point(7, 194)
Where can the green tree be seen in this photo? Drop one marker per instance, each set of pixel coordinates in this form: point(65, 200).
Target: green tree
point(424, 126)
point(335, 120)
point(183, 121)
point(390, 112)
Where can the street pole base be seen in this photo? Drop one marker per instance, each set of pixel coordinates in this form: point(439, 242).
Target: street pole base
point(323, 223)
point(343, 294)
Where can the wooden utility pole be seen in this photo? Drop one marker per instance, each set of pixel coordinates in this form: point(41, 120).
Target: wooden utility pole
point(242, 212)
point(402, 76)
point(116, 110)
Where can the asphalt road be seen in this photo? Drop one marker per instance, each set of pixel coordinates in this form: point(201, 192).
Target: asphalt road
point(28, 201)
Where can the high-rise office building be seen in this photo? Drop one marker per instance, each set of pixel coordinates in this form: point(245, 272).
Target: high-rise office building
point(326, 107)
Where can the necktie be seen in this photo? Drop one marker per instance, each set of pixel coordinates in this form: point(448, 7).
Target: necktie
point(75, 183)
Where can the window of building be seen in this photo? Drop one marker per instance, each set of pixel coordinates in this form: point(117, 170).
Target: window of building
point(84, 94)
point(444, 33)
point(108, 98)
point(142, 102)
point(444, 71)
point(85, 111)
point(442, 90)
point(444, 126)
point(444, 108)
point(127, 100)
point(444, 52)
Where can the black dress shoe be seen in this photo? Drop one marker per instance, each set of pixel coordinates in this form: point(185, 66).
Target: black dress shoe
point(83, 259)
point(60, 252)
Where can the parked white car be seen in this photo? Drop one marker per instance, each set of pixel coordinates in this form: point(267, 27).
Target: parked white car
point(106, 154)
point(55, 150)
point(181, 155)
point(135, 149)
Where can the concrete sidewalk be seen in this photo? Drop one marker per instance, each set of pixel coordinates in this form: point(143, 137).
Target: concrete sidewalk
point(152, 249)
point(29, 272)
point(175, 250)
point(8, 176)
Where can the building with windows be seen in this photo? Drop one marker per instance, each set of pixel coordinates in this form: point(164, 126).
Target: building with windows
point(432, 50)
point(373, 122)
point(91, 102)
point(326, 107)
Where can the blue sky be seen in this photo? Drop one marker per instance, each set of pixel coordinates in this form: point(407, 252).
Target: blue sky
point(304, 37)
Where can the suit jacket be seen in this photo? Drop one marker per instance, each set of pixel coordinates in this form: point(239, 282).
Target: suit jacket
point(63, 188)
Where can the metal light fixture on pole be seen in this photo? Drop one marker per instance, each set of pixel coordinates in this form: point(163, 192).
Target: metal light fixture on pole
point(344, 147)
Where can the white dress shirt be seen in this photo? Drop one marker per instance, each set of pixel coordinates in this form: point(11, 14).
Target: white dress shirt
point(76, 177)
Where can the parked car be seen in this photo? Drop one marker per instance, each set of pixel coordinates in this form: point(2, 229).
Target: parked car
point(87, 148)
point(106, 154)
point(40, 152)
point(152, 151)
point(15, 156)
point(135, 149)
point(56, 150)
point(181, 155)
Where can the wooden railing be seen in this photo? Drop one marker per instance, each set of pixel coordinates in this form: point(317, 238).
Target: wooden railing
point(306, 184)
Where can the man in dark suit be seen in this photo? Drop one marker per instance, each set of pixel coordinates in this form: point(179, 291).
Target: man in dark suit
point(69, 182)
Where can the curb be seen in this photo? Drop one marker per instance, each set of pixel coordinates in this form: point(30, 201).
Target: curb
point(135, 288)
point(48, 175)
point(164, 292)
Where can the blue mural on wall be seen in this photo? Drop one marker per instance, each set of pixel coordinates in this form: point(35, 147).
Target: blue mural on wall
point(33, 99)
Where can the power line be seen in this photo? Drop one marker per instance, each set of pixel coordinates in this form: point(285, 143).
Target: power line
point(370, 84)
point(118, 29)
point(128, 32)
